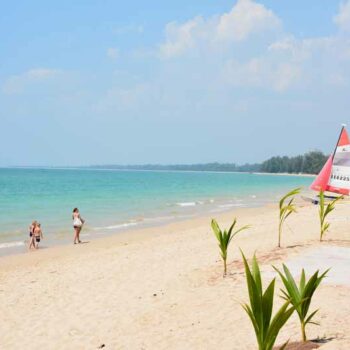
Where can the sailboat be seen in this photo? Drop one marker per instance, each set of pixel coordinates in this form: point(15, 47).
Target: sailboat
point(335, 174)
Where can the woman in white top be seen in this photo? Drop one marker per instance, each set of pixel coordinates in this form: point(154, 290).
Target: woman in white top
point(78, 222)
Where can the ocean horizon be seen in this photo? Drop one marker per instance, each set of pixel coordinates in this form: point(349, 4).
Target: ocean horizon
point(116, 200)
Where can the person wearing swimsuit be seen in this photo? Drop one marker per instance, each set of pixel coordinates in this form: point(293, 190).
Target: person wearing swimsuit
point(37, 235)
point(78, 223)
point(31, 234)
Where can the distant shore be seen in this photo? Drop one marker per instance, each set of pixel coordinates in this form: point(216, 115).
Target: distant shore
point(154, 170)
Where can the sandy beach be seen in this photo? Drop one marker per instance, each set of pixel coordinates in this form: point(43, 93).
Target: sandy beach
point(162, 288)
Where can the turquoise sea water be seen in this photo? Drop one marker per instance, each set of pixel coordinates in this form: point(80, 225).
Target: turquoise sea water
point(112, 200)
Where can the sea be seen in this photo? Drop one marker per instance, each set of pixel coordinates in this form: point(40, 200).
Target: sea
point(112, 201)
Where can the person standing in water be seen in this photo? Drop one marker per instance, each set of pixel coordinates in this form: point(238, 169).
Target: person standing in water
point(38, 234)
point(78, 223)
point(31, 234)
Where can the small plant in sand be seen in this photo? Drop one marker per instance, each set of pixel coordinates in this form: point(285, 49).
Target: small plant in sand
point(286, 209)
point(301, 296)
point(323, 211)
point(265, 326)
point(224, 238)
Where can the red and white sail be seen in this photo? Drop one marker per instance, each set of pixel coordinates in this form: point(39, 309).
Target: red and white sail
point(335, 174)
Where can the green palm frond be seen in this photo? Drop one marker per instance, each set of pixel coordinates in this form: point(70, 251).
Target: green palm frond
point(224, 238)
point(323, 211)
point(301, 296)
point(260, 307)
point(286, 209)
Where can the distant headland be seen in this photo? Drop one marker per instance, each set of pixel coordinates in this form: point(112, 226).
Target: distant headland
point(308, 163)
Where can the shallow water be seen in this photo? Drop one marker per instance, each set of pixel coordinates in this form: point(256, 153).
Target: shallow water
point(112, 200)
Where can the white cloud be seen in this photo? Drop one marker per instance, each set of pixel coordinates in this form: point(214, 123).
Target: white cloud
point(41, 73)
point(113, 53)
point(17, 83)
point(244, 19)
point(288, 46)
point(180, 38)
point(261, 73)
point(301, 50)
point(285, 76)
point(123, 99)
point(248, 47)
point(342, 19)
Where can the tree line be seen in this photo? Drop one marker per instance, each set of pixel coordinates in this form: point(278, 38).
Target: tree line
point(309, 163)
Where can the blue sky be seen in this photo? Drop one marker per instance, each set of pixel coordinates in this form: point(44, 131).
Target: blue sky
point(91, 82)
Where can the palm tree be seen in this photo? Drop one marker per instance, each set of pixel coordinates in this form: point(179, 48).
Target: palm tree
point(324, 210)
point(301, 296)
point(286, 210)
point(224, 238)
point(260, 310)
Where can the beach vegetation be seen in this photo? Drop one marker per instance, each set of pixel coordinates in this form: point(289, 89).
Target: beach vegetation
point(308, 163)
point(286, 208)
point(324, 211)
point(224, 238)
point(260, 308)
point(300, 296)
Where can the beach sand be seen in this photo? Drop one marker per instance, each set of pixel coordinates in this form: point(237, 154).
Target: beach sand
point(162, 288)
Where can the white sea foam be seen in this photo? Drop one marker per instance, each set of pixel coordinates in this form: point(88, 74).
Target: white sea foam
point(11, 244)
point(232, 205)
point(186, 204)
point(114, 227)
point(159, 218)
point(85, 234)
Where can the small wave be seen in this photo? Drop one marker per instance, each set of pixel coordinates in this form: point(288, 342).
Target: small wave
point(85, 234)
point(11, 244)
point(159, 218)
point(186, 204)
point(114, 227)
point(231, 205)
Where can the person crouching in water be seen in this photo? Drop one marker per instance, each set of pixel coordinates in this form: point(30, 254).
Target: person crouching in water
point(78, 222)
point(38, 234)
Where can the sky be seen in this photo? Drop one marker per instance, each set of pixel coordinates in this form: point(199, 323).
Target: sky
point(134, 82)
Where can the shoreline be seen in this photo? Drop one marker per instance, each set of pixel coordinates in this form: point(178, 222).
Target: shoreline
point(134, 233)
point(116, 202)
point(155, 170)
point(19, 247)
point(167, 283)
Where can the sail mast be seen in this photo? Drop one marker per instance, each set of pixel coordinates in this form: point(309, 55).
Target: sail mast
point(340, 135)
